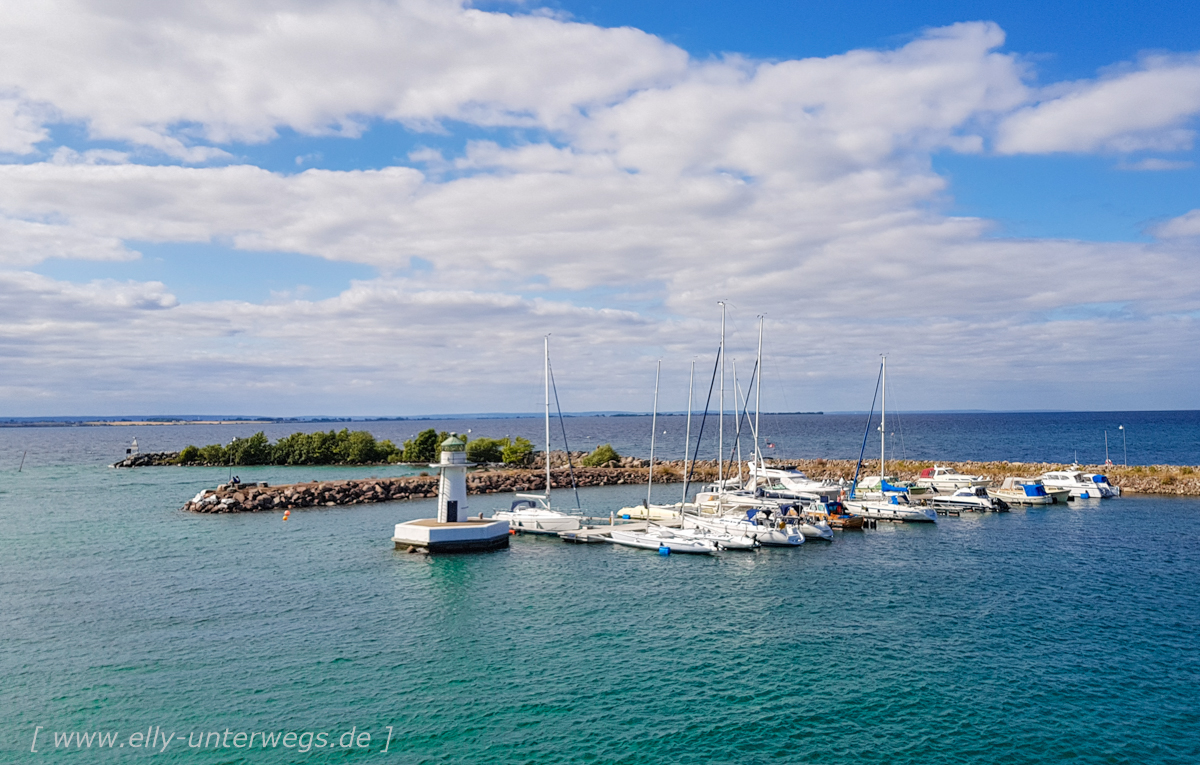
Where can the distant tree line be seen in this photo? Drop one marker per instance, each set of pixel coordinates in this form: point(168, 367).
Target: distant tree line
point(346, 447)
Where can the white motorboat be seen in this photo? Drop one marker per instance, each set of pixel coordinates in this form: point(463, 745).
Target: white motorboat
point(1023, 491)
point(776, 535)
point(658, 538)
point(1080, 484)
point(971, 498)
point(532, 512)
point(939, 478)
point(793, 480)
point(896, 507)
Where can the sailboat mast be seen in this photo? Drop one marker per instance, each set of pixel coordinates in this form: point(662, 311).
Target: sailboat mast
point(757, 401)
point(737, 432)
point(653, 432)
point(721, 419)
point(687, 439)
point(883, 425)
point(547, 418)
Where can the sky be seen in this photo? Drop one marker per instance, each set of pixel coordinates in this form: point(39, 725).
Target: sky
point(362, 207)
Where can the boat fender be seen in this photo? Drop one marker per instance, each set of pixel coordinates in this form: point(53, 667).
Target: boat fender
point(664, 550)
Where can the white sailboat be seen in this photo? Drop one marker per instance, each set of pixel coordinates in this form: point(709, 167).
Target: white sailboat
point(532, 512)
point(892, 506)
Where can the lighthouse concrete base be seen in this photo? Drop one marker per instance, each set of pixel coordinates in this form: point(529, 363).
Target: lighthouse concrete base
point(464, 536)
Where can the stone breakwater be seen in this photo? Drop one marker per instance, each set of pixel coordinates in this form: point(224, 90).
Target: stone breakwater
point(250, 498)
point(256, 498)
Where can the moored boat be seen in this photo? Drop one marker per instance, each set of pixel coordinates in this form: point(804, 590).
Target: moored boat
point(970, 498)
point(947, 479)
point(1023, 491)
point(1081, 485)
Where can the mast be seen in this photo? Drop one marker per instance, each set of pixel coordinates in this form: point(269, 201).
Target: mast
point(547, 419)
point(721, 419)
point(688, 438)
point(883, 424)
point(737, 394)
point(653, 432)
point(757, 401)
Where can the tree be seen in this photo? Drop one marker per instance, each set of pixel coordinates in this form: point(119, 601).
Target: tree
point(425, 447)
point(486, 449)
point(603, 455)
point(189, 454)
point(517, 453)
point(255, 450)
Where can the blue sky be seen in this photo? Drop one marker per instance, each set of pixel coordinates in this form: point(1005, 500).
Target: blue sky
point(280, 209)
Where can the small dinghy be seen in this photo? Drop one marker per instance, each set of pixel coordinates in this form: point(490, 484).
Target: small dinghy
point(660, 539)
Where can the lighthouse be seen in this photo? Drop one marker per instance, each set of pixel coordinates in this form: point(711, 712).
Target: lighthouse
point(451, 531)
point(452, 483)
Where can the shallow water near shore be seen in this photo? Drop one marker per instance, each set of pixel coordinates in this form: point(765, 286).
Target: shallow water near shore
point(1055, 634)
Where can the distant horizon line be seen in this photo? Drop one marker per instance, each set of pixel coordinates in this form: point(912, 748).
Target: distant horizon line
point(214, 419)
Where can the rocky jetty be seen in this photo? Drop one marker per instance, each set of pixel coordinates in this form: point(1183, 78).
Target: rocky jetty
point(148, 459)
point(250, 498)
point(253, 498)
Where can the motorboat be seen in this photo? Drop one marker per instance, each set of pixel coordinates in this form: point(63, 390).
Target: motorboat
point(656, 538)
point(939, 479)
point(881, 487)
point(810, 524)
point(791, 479)
point(1023, 491)
point(971, 498)
point(896, 507)
point(532, 513)
point(1080, 484)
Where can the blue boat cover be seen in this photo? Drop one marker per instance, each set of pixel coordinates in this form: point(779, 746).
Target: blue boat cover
point(1035, 490)
point(885, 486)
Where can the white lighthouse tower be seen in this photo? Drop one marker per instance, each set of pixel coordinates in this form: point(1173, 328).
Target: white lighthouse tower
point(452, 483)
point(452, 531)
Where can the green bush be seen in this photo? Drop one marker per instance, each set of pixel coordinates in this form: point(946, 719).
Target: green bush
point(603, 455)
point(486, 449)
point(189, 454)
point(426, 447)
point(213, 454)
point(517, 453)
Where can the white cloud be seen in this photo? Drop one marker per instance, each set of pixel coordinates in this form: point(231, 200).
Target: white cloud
point(1145, 109)
point(169, 76)
point(1186, 225)
point(801, 189)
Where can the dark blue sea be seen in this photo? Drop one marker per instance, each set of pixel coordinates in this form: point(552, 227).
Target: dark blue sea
point(1059, 634)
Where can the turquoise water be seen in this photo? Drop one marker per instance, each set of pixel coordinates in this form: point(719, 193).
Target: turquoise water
point(1066, 634)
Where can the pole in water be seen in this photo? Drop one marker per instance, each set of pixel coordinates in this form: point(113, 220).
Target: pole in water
point(22, 460)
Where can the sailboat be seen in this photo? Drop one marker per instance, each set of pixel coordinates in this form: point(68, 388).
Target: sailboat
point(894, 504)
point(532, 512)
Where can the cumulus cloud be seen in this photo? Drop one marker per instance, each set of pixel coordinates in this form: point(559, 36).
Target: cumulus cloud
point(1148, 108)
point(1186, 225)
point(656, 186)
point(168, 76)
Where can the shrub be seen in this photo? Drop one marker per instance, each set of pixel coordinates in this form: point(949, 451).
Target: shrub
point(486, 449)
point(603, 455)
point(213, 454)
point(189, 454)
point(425, 447)
point(517, 453)
point(255, 450)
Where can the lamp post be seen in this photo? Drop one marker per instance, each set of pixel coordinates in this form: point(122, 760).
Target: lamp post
point(1124, 445)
